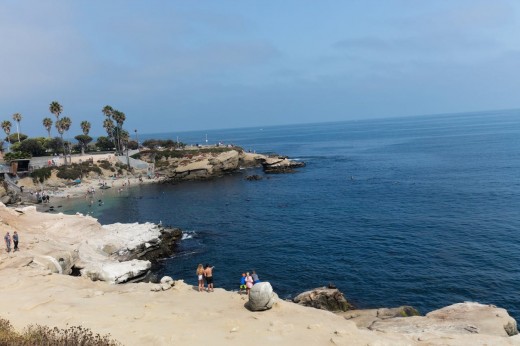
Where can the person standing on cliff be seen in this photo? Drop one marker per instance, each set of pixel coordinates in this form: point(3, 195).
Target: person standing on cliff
point(208, 273)
point(7, 239)
point(249, 283)
point(200, 277)
point(15, 240)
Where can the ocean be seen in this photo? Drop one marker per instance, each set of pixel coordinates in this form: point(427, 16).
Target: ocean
point(421, 211)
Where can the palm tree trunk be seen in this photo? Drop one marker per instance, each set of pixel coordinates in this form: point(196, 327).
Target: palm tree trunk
point(18, 131)
point(64, 153)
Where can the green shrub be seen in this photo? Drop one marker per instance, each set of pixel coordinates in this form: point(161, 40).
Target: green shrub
point(69, 172)
point(17, 155)
point(41, 174)
point(76, 171)
point(105, 164)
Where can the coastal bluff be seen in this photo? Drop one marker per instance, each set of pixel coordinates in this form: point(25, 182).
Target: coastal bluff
point(39, 291)
point(207, 163)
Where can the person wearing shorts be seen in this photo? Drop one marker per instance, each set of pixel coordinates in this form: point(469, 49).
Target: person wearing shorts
point(208, 273)
point(242, 283)
point(200, 277)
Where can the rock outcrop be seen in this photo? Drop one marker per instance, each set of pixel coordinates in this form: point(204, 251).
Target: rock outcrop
point(281, 165)
point(261, 297)
point(462, 318)
point(129, 248)
point(207, 163)
point(324, 298)
point(114, 253)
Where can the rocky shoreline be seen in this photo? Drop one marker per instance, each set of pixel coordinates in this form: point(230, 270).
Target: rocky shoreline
point(170, 167)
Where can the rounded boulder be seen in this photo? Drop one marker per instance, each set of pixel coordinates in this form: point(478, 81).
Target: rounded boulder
point(261, 297)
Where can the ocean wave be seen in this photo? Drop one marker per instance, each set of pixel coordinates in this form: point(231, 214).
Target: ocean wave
point(188, 235)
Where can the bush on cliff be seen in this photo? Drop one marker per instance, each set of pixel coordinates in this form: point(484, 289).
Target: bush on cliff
point(76, 171)
point(43, 335)
point(41, 174)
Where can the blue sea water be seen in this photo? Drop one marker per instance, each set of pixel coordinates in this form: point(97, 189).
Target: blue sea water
point(422, 211)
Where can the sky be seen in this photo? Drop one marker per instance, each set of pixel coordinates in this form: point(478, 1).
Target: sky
point(195, 65)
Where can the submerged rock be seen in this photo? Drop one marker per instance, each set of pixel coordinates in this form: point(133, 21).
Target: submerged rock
point(324, 298)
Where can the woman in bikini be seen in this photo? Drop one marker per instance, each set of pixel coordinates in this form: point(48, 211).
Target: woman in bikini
point(200, 277)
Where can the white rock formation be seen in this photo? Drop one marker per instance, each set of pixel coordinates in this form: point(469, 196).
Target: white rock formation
point(261, 297)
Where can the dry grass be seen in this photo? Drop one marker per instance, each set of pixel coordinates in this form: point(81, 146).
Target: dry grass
point(46, 336)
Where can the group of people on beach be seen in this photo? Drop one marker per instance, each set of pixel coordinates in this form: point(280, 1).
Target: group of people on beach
point(7, 239)
point(42, 197)
point(205, 273)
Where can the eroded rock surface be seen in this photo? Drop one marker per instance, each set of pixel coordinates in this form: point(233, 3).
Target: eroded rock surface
point(462, 318)
point(324, 298)
point(64, 244)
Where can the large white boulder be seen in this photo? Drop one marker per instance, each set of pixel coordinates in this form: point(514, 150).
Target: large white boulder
point(261, 297)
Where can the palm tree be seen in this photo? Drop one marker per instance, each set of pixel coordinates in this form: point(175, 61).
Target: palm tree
point(62, 126)
point(56, 109)
point(119, 118)
point(6, 125)
point(17, 117)
point(107, 111)
point(47, 123)
point(85, 127)
point(108, 125)
point(85, 138)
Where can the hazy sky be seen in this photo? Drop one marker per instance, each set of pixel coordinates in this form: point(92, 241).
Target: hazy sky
point(190, 65)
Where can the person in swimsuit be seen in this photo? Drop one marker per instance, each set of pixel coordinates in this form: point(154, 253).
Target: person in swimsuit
point(200, 277)
point(208, 273)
